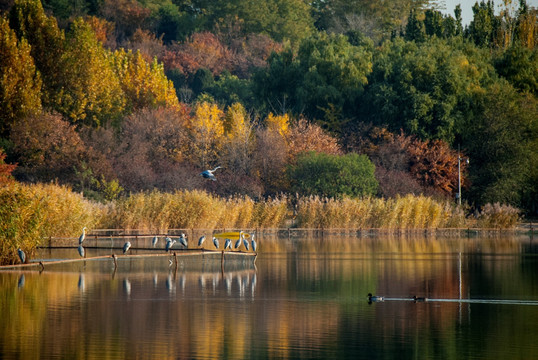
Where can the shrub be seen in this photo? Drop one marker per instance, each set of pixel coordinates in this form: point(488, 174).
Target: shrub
point(333, 175)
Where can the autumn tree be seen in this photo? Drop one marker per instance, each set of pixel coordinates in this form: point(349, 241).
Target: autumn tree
point(144, 84)
point(305, 136)
point(434, 164)
point(46, 147)
point(5, 169)
point(206, 129)
point(153, 150)
point(92, 94)
point(20, 84)
point(29, 21)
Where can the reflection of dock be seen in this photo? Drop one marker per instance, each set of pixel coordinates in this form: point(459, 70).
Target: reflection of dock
point(219, 257)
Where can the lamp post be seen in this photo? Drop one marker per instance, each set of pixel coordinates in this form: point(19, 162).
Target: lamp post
point(460, 159)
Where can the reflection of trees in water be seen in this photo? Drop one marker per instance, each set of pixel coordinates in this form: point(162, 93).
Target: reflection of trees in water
point(300, 291)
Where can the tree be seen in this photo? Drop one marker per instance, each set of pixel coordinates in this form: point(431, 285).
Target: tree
point(46, 147)
point(304, 136)
point(92, 94)
point(333, 175)
point(323, 82)
point(20, 84)
point(144, 84)
point(484, 24)
point(518, 65)
point(5, 169)
point(27, 18)
point(423, 88)
point(206, 130)
point(502, 143)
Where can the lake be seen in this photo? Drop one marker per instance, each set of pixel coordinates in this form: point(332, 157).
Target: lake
point(301, 298)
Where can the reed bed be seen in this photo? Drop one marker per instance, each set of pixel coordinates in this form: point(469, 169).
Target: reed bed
point(407, 212)
point(31, 213)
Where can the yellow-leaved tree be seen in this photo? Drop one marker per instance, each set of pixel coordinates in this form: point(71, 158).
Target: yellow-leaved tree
point(239, 132)
point(144, 84)
point(207, 134)
point(278, 123)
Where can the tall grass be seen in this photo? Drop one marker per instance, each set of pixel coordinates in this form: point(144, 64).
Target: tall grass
point(193, 210)
point(408, 212)
point(31, 213)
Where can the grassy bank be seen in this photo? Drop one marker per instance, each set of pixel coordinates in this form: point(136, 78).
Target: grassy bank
point(29, 214)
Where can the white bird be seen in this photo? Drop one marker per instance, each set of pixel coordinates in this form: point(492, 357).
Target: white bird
point(253, 243)
point(245, 242)
point(22, 255)
point(154, 241)
point(228, 244)
point(81, 251)
point(183, 240)
point(83, 236)
point(169, 243)
point(126, 247)
point(238, 243)
point(201, 241)
point(208, 174)
point(216, 242)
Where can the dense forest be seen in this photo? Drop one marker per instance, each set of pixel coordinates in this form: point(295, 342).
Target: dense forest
point(326, 97)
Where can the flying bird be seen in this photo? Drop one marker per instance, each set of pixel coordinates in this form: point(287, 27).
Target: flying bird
point(208, 174)
point(83, 236)
point(126, 247)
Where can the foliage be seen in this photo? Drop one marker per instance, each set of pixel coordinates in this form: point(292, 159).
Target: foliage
point(206, 134)
point(92, 94)
point(333, 175)
point(323, 81)
point(5, 169)
point(29, 21)
point(502, 141)
point(518, 65)
point(152, 146)
point(423, 88)
point(144, 84)
point(20, 84)
point(47, 147)
point(304, 136)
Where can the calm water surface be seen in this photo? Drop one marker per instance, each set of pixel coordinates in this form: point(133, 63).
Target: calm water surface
point(302, 298)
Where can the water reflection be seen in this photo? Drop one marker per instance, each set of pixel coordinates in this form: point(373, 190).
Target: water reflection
point(303, 298)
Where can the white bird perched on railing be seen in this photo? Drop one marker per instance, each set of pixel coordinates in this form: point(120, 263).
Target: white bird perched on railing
point(245, 242)
point(169, 243)
point(238, 242)
point(253, 243)
point(216, 242)
point(83, 236)
point(126, 247)
point(81, 251)
point(208, 174)
point(154, 241)
point(183, 240)
point(227, 244)
point(201, 240)
point(22, 255)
